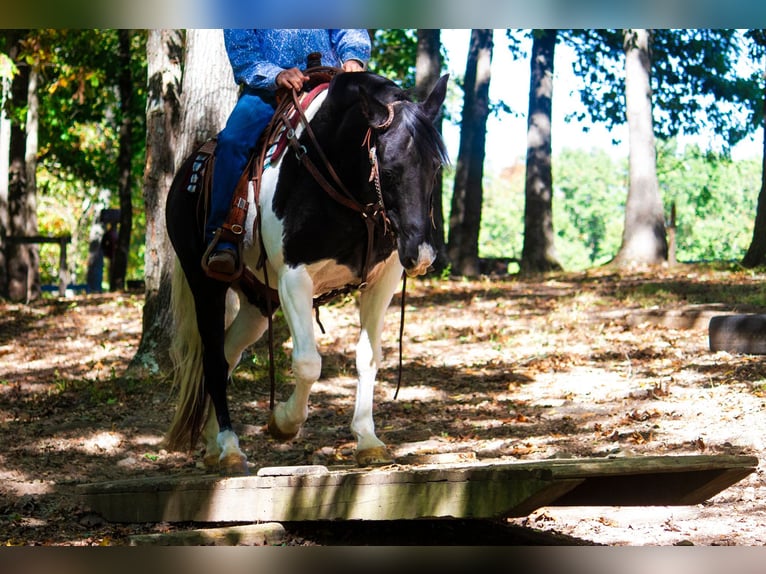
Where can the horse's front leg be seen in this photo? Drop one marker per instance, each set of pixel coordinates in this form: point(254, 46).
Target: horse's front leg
point(373, 302)
point(296, 291)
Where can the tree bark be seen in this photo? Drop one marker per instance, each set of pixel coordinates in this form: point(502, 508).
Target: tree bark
point(183, 110)
point(118, 266)
point(644, 239)
point(756, 253)
point(164, 58)
point(538, 253)
point(465, 214)
point(209, 91)
point(428, 68)
point(23, 259)
point(10, 48)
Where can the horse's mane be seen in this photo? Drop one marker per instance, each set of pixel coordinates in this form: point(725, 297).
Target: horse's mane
point(344, 93)
point(424, 132)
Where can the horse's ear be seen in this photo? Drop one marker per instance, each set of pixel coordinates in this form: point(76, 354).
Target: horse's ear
point(373, 109)
point(435, 99)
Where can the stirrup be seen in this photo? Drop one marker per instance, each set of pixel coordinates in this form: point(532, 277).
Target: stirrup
point(212, 253)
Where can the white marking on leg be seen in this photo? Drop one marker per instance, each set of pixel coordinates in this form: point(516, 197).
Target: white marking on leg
point(372, 306)
point(296, 295)
point(228, 442)
point(247, 327)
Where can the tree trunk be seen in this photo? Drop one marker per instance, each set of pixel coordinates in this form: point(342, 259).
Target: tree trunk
point(465, 214)
point(209, 92)
point(428, 68)
point(756, 253)
point(5, 151)
point(164, 57)
point(183, 110)
point(644, 239)
point(118, 266)
point(23, 259)
point(539, 253)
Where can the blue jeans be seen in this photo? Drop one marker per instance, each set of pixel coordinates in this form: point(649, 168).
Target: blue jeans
point(247, 121)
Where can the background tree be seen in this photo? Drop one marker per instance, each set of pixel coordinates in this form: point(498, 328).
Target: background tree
point(164, 58)
point(538, 252)
point(644, 239)
point(79, 125)
point(465, 212)
point(23, 277)
point(119, 265)
point(694, 86)
point(195, 62)
point(756, 253)
point(393, 54)
point(428, 69)
point(7, 71)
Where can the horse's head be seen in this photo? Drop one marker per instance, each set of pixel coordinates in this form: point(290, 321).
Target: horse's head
point(410, 152)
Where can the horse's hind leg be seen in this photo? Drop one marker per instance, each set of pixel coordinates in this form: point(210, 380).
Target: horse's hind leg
point(210, 307)
point(222, 449)
point(296, 296)
point(373, 303)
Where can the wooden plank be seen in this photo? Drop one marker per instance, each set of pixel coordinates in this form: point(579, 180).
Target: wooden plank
point(469, 490)
point(62, 240)
point(375, 494)
point(738, 334)
point(246, 535)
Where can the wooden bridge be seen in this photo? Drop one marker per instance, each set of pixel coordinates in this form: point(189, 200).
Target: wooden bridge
point(474, 489)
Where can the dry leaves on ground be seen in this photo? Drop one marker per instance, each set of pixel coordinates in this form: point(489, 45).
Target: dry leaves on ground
point(569, 365)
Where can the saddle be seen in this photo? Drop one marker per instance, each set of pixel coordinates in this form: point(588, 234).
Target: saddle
point(271, 146)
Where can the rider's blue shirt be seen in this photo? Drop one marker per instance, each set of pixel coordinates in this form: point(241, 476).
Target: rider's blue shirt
point(257, 56)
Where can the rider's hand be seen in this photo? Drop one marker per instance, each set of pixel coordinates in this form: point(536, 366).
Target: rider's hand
point(291, 79)
point(353, 66)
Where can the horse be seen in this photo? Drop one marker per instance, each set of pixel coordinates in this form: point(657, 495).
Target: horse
point(347, 206)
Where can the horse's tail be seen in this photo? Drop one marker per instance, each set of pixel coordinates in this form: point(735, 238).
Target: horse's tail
point(186, 354)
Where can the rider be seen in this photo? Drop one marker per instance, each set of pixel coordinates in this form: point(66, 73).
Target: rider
point(262, 61)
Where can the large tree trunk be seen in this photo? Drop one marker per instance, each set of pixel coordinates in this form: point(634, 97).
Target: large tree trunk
point(756, 253)
point(539, 253)
point(181, 113)
point(164, 58)
point(209, 92)
point(118, 266)
point(5, 151)
point(644, 239)
point(428, 68)
point(23, 259)
point(465, 214)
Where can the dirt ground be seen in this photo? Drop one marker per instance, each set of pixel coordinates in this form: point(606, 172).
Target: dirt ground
point(568, 365)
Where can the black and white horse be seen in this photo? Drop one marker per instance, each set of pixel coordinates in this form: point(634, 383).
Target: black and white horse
point(367, 143)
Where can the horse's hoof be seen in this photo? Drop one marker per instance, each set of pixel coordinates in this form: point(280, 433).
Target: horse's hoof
point(278, 433)
point(210, 462)
point(232, 465)
point(375, 456)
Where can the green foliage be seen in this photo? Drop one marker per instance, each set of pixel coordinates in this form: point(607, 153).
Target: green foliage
point(80, 117)
point(502, 224)
point(590, 189)
point(715, 201)
point(393, 55)
point(695, 81)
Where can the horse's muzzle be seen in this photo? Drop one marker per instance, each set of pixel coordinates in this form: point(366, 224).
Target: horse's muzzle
point(419, 265)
